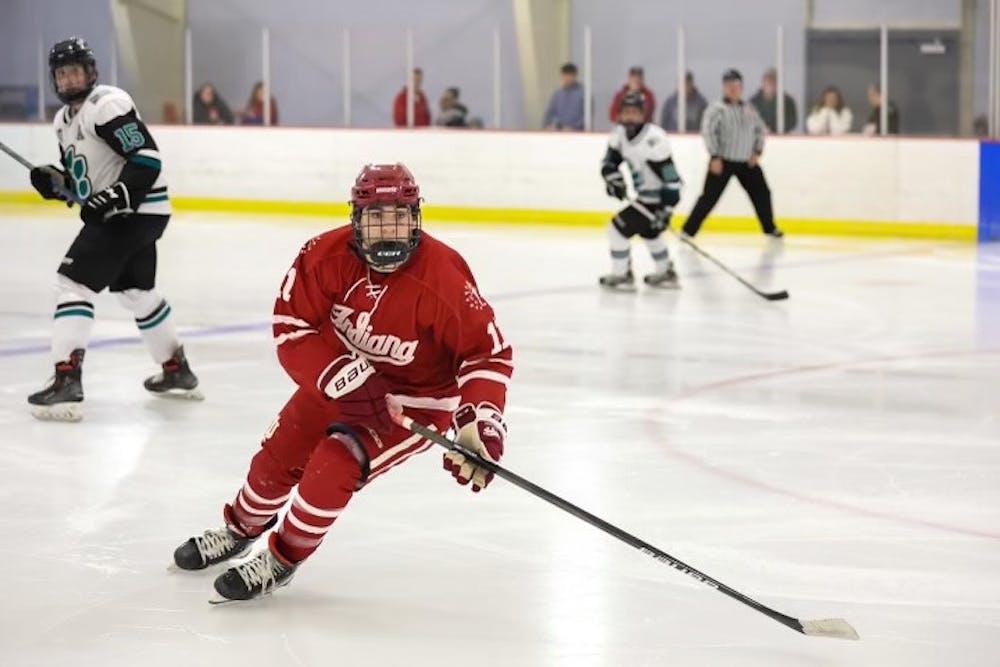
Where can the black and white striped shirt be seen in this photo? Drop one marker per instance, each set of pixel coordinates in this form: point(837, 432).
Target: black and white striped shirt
point(733, 131)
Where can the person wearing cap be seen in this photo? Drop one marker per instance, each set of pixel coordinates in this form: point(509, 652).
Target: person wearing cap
point(565, 109)
point(634, 84)
point(734, 136)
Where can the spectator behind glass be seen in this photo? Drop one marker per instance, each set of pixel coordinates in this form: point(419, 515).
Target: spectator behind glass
point(254, 112)
point(565, 110)
point(766, 102)
point(874, 123)
point(452, 113)
point(636, 84)
point(830, 116)
point(981, 125)
point(421, 111)
point(694, 107)
point(210, 109)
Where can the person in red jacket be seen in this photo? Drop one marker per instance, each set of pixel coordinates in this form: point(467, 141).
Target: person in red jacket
point(634, 83)
point(421, 110)
point(374, 308)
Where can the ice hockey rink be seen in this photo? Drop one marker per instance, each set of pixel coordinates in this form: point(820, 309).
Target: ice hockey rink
point(834, 455)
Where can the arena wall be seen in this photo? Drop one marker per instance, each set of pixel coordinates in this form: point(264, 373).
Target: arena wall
point(851, 185)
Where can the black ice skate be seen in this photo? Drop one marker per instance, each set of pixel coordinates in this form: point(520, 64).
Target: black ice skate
point(175, 380)
point(259, 576)
point(62, 400)
point(215, 546)
point(663, 280)
point(618, 281)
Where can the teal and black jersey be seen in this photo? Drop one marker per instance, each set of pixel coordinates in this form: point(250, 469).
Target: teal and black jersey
point(105, 142)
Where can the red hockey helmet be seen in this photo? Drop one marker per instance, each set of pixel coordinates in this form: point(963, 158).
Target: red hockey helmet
point(385, 184)
point(381, 185)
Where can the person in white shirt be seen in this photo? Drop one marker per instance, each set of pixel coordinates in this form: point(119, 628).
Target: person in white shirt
point(830, 116)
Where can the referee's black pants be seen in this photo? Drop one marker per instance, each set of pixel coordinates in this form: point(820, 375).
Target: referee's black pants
point(752, 180)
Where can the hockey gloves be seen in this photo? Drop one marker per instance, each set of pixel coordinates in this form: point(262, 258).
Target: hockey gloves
point(359, 392)
point(51, 182)
point(615, 184)
point(480, 429)
point(104, 205)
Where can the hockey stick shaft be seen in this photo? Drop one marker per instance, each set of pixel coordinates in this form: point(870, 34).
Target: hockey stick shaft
point(770, 296)
point(830, 628)
point(17, 156)
point(27, 165)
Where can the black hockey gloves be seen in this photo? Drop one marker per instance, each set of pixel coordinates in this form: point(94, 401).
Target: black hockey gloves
point(615, 184)
point(51, 182)
point(104, 205)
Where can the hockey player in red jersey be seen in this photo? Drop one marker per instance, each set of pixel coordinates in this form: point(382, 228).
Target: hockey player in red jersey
point(375, 308)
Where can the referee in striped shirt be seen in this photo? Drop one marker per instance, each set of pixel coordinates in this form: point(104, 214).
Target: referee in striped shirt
point(734, 136)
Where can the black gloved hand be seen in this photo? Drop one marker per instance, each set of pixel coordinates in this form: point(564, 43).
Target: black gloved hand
point(661, 218)
point(615, 185)
point(104, 205)
point(670, 194)
point(51, 182)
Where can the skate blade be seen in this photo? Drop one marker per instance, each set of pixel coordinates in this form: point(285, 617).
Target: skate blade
point(217, 600)
point(208, 569)
point(664, 286)
point(180, 394)
point(619, 288)
point(60, 412)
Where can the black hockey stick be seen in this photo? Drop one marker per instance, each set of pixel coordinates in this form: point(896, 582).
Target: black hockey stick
point(836, 628)
point(770, 296)
point(27, 165)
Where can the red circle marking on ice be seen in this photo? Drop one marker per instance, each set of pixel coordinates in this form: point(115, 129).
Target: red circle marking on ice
point(747, 480)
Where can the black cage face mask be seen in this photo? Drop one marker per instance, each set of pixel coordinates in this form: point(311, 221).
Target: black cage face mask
point(387, 237)
point(632, 130)
point(633, 126)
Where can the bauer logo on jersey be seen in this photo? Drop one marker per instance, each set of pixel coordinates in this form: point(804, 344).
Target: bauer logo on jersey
point(360, 335)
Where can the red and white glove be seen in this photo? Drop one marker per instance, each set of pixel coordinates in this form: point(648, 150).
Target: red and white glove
point(481, 429)
point(359, 392)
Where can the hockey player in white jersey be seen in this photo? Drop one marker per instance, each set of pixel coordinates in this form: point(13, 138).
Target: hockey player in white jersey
point(111, 163)
point(644, 147)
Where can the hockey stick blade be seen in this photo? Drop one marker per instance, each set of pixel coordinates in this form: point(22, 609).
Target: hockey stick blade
point(770, 296)
point(836, 628)
point(774, 296)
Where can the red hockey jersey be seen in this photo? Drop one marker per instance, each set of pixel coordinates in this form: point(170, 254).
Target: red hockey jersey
point(424, 326)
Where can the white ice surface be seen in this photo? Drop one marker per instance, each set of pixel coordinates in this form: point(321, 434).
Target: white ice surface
point(835, 455)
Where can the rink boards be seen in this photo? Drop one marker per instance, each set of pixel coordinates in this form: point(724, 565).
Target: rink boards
point(937, 188)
